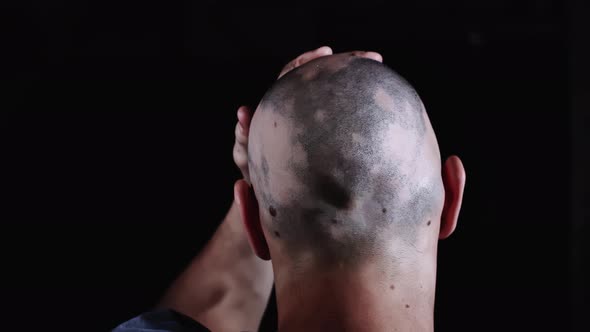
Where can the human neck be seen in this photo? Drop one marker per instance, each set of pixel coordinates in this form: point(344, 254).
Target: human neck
point(370, 299)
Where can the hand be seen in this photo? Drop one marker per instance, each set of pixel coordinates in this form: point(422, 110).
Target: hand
point(240, 152)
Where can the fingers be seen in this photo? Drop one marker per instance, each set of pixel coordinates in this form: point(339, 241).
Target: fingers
point(243, 125)
point(324, 51)
point(306, 57)
point(367, 54)
point(240, 155)
point(244, 119)
point(241, 137)
point(240, 151)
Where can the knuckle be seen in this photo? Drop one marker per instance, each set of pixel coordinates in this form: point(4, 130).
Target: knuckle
point(240, 137)
point(238, 130)
point(239, 155)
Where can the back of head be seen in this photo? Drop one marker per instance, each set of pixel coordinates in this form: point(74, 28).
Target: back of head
point(344, 164)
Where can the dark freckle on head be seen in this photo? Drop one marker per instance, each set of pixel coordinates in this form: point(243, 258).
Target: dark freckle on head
point(272, 211)
point(407, 305)
point(384, 210)
point(428, 223)
point(277, 234)
point(392, 287)
point(334, 221)
point(275, 124)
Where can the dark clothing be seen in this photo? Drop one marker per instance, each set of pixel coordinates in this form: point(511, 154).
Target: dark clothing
point(161, 321)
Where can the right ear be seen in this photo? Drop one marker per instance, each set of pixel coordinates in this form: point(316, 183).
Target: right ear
point(248, 207)
point(453, 177)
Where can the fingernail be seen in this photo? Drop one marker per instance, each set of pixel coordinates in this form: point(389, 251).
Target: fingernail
point(324, 48)
point(374, 55)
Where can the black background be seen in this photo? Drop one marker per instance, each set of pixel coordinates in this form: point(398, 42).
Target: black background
point(121, 168)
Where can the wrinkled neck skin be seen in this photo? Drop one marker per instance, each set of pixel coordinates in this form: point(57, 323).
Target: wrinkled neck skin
point(363, 298)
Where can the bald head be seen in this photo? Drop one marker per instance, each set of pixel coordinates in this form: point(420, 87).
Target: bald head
point(344, 162)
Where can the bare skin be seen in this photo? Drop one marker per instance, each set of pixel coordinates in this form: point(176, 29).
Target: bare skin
point(393, 288)
point(226, 287)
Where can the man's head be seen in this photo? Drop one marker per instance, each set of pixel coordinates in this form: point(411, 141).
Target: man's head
point(345, 169)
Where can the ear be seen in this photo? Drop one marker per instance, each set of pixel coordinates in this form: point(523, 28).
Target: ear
point(454, 182)
point(248, 206)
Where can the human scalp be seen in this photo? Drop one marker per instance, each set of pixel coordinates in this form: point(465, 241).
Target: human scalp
point(341, 157)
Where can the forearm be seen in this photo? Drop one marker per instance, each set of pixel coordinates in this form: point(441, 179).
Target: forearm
point(226, 287)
